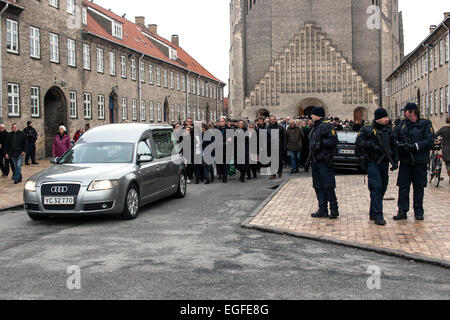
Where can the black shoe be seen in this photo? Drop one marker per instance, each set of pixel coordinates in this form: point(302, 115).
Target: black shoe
point(34, 163)
point(197, 182)
point(319, 214)
point(224, 180)
point(334, 216)
point(372, 218)
point(401, 216)
point(419, 218)
point(293, 171)
point(380, 222)
point(16, 182)
point(27, 164)
point(207, 182)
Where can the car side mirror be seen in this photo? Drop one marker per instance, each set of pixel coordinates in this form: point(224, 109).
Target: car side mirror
point(145, 159)
point(54, 160)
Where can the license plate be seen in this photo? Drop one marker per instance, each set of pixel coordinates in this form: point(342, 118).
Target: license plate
point(346, 151)
point(59, 201)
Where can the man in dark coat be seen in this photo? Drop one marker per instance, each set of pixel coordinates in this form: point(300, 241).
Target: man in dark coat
point(378, 144)
point(294, 144)
point(16, 144)
point(222, 168)
point(4, 163)
point(32, 137)
point(274, 126)
point(241, 150)
point(415, 137)
point(323, 143)
point(444, 132)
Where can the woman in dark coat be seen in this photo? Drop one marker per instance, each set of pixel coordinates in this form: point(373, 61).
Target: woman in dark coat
point(444, 132)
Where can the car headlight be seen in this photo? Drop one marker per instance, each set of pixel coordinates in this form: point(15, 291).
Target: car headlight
point(30, 186)
point(97, 185)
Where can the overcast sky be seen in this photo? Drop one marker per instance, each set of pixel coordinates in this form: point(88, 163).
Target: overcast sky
point(203, 25)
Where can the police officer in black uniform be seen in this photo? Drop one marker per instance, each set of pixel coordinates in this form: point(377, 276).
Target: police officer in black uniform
point(415, 137)
point(379, 147)
point(323, 143)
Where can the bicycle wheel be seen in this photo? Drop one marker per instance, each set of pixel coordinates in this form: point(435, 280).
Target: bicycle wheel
point(432, 169)
point(437, 174)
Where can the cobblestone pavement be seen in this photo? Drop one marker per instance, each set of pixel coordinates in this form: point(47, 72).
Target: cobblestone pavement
point(290, 210)
point(10, 193)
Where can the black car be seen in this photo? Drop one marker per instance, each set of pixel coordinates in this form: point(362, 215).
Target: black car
point(347, 156)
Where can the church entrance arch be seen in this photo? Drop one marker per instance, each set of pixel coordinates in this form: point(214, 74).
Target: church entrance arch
point(305, 106)
point(55, 114)
point(263, 113)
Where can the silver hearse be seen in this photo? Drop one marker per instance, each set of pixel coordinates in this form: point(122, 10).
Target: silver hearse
point(113, 169)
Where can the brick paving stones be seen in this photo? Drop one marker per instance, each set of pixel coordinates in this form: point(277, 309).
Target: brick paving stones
point(290, 210)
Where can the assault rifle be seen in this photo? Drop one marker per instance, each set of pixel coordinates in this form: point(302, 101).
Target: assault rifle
point(406, 140)
point(386, 153)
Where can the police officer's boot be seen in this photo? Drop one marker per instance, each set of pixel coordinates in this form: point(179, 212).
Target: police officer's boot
point(334, 215)
point(401, 216)
point(320, 214)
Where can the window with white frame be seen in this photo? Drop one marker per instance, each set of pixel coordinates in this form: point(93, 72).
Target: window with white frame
point(54, 3)
point(447, 101)
point(183, 83)
point(86, 57)
point(184, 113)
point(100, 61)
point(207, 90)
point(203, 89)
point(215, 92)
point(133, 69)
point(143, 113)
point(142, 71)
point(442, 101)
point(87, 106)
point(188, 112)
point(436, 56)
point(198, 114)
point(150, 74)
point(431, 66)
point(12, 36)
point(84, 15)
point(159, 113)
point(134, 109)
point(193, 88)
point(71, 53)
point(172, 83)
point(71, 6)
point(436, 101)
point(158, 76)
point(172, 112)
point(72, 104)
point(178, 113)
point(442, 53)
point(54, 48)
point(34, 102)
point(152, 112)
point(188, 85)
point(446, 48)
point(35, 43)
point(178, 82)
point(124, 109)
point(13, 100)
point(112, 63)
point(165, 79)
point(101, 106)
point(123, 66)
point(198, 86)
point(117, 30)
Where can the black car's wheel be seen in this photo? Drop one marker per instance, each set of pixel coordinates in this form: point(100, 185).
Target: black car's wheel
point(181, 191)
point(132, 203)
point(37, 217)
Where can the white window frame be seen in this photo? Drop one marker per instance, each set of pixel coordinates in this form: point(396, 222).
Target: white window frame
point(133, 69)
point(54, 48)
point(35, 42)
point(151, 111)
point(73, 104)
point(71, 53)
point(172, 81)
point(134, 109)
point(436, 102)
point(158, 76)
point(117, 30)
point(178, 113)
point(13, 100)
point(183, 83)
point(86, 57)
point(12, 36)
point(150, 74)
point(178, 82)
point(100, 60)
point(34, 102)
point(159, 112)
point(112, 63)
point(123, 66)
point(71, 7)
point(84, 15)
point(188, 84)
point(172, 113)
point(124, 109)
point(87, 105)
point(442, 101)
point(447, 44)
point(142, 111)
point(166, 80)
point(54, 3)
point(142, 71)
point(101, 107)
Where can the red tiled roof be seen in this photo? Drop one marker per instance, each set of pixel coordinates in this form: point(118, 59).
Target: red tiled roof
point(133, 38)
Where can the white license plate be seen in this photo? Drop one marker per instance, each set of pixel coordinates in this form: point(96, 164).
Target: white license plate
point(59, 201)
point(345, 151)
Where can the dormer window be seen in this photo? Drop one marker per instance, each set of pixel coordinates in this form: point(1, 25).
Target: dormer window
point(173, 54)
point(117, 30)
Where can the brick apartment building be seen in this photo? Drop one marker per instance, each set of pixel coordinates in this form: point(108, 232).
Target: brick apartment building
point(424, 77)
point(74, 62)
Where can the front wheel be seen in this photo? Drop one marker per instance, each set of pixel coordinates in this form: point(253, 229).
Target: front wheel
point(132, 204)
point(181, 191)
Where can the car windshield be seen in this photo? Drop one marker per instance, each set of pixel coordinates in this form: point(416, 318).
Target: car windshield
point(347, 137)
point(98, 153)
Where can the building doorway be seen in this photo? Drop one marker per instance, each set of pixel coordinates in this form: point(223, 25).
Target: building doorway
point(360, 114)
point(306, 106)
point(55, 114)
point(263, 113)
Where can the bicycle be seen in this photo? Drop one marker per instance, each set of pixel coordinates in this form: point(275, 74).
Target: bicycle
point(435, 166)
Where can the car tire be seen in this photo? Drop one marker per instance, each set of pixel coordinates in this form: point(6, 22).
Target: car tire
point(132, 203)
point(181, 190)
point(36, 217)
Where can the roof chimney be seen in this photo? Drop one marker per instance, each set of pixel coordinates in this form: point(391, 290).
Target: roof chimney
point(446, 15)
point(139, 20)
point(433, 28)
point(153, 28)
point(176, 40)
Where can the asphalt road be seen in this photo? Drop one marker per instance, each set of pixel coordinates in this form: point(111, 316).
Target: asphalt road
point(194, 248)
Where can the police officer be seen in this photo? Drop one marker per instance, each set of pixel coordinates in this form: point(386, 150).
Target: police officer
point(415, 137)
point(323, 142)
point(379, 146)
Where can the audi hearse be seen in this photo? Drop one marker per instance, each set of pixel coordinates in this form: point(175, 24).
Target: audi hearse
point(114, 169)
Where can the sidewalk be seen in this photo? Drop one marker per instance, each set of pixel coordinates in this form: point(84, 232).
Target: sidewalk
point(11, 195)
point(289, 212)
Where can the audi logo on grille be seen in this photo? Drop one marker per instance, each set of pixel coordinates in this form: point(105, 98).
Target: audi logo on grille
point(59, 189)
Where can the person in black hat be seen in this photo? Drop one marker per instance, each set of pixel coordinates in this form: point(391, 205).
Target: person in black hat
point(415, 137)
point(337, 124)
point(323, 143)
point(378, 145)
point(32, 137)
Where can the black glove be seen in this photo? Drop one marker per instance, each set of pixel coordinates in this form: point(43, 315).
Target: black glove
point(411, 147)
point(394, 167)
